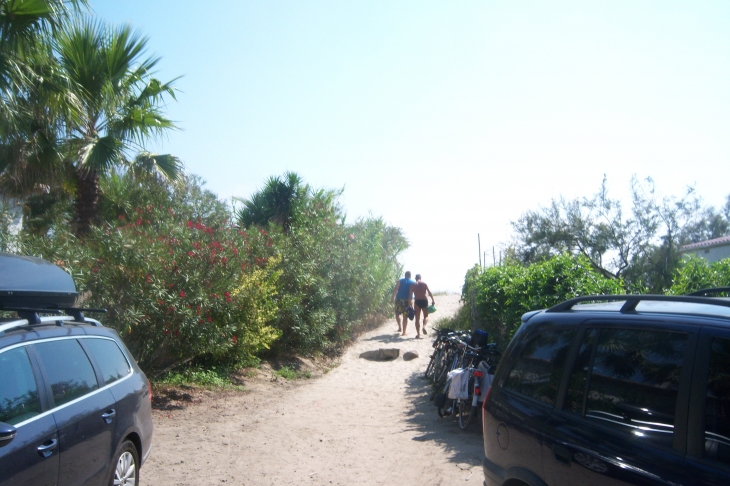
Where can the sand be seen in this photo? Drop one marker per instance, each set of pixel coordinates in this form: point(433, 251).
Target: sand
point(364, 422)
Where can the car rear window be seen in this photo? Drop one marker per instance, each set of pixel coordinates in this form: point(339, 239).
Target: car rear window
point(109, 357)
point(537, 371)
point(18, 391)
point(68, 369)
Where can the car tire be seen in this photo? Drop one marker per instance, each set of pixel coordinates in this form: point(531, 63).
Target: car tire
point(125, 466)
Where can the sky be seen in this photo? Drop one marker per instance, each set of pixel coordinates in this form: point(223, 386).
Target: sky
point(447, 119)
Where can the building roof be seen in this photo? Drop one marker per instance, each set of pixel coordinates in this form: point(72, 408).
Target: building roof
point(721, 241)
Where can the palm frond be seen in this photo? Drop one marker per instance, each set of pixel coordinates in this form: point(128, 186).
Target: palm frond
point(166, 166)
point(101, 153)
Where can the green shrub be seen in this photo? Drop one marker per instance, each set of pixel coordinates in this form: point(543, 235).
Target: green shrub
point(695, 273)
point(496, 297)
point(183, 285)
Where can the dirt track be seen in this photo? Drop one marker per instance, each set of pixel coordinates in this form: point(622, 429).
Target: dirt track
point(364, 422)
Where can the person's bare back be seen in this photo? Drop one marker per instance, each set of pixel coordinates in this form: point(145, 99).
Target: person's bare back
point(420, 289)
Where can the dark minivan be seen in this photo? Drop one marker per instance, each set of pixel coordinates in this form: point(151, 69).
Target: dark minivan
point(613, 390)
point(75, 409)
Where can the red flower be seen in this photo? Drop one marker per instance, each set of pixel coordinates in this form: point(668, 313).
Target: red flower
point(190, 253)
point(182, 293)
point(95, 270)
point(235, 340)
point(352, 237)
point(148, 279)
point(210, 319)
point(190, 224)
point(224, 260)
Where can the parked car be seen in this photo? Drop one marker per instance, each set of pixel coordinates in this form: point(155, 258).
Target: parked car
point(614, 390)
point(75, 409)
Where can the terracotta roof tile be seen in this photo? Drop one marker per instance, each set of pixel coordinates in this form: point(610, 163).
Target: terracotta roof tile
point(721, 241)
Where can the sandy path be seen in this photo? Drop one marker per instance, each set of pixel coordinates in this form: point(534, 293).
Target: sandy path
point(364, 422)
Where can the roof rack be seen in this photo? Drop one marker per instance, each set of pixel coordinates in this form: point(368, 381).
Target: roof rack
point(710, 291)
point(41, 320)
point(631, 301)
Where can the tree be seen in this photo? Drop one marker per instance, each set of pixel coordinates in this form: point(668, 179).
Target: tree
point(120, 109)
point(33, 94)
point(642, 247)
point(278, 202)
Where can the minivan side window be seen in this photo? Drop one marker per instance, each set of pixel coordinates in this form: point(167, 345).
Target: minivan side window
point(68, 369)
point(18, 391)
point(112, 363)
point(717, 403)
point(539, 366)
point(634, 380)
point(574, 400)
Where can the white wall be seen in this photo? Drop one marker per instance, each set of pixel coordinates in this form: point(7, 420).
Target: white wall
point(711, 254)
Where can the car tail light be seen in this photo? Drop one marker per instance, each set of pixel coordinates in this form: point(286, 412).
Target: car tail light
point(486, 398)
point(478, 373)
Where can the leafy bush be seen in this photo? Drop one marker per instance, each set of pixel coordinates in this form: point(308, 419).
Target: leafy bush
point(183, 285)
point(496, 297)
point(178, 281)
point(334, 276)
point(695, 273)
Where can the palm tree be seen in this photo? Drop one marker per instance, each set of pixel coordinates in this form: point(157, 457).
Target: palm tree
point(120, 110)
point(278, 202)
point(32, 92)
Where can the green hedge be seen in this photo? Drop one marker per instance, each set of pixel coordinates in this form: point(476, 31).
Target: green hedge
point(496, 297)
point(182, 284)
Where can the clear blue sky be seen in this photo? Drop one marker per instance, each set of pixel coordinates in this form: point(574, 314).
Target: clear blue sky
point(448, 119)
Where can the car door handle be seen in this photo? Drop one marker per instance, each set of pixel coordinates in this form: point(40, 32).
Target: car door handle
point(109, 416)
point(562, 455)
point(46, 449)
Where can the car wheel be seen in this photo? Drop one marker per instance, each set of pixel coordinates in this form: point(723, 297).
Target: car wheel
point(125, 467)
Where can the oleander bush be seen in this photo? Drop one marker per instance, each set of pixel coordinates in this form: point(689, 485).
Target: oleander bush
point(183, 283)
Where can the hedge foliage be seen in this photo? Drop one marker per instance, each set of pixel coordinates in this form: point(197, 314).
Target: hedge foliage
point(182, 283)
point(496, 297)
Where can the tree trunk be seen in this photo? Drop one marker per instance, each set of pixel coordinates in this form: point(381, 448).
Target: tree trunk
point(87, 201)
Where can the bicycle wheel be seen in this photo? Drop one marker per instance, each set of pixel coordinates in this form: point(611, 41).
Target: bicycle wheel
point(432, 363)
point(466, 412)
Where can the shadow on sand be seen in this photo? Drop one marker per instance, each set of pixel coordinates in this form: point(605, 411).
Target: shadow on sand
point(464, 446)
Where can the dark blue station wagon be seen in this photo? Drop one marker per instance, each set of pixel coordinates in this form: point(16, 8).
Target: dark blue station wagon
point(75, 409)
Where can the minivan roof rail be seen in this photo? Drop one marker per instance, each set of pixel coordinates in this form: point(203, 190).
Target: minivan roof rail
point(710, 291)
point(631, 301)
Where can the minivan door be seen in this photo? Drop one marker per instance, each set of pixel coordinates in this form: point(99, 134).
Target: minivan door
point(616, 423)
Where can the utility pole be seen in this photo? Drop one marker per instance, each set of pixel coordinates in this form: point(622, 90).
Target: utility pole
point(479, 242)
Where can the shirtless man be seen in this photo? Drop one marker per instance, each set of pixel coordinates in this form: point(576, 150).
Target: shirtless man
point(419, 290)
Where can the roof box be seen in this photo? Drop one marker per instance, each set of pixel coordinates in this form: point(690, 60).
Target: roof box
point(29, 282)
